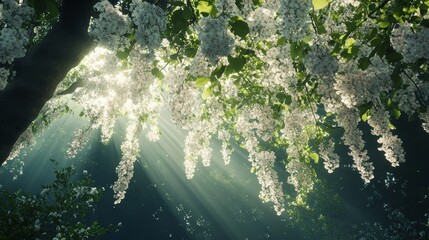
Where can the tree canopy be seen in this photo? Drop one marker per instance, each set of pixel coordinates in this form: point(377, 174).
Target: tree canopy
point(286, 74)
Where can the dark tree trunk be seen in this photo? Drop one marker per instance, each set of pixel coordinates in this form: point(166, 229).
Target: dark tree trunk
point(41, 70)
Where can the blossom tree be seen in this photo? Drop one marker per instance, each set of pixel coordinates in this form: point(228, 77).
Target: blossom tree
point(283, 73)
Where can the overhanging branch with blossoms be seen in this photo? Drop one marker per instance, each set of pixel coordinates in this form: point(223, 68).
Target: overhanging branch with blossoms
point(283, 73)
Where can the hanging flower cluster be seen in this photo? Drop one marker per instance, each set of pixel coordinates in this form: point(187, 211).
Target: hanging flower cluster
point(13, 34)
point(111, 27)
point(216, 40)
point(293, 19)
point(412, 44)
point(150, 22)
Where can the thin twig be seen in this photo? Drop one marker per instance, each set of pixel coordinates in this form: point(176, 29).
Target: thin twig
point(422, 99)
point(378, 8)
point(311, 105)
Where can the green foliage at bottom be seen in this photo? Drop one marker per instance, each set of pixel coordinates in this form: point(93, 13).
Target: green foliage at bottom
point(60, 211)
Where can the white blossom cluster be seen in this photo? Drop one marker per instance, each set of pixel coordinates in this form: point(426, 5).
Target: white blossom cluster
point(353, 88)
point(4, 76)
point(80, 139)
point(12, 44)
point(14, 13)
point(357, 87)
point(130, 151)
point(410, 43)
point(112, 91)
point(271, 188)
point(298, 131)
point(140, 72)
point(105, 82)
point(247, 7)
point(331, 159)
point(216, 40)
point(111, 27)
point(184, 100)
point(300, 176)
point(227, 149)
point(227, 7)
point(272, 4)
point(391, 145)
point(330, 100)
point(262, 23)
point(197, 143)
point(13, 33)
point(349, 119)
point(229, 89)
point(200, 65)
point(319, 62)
point(336, 26)
point(185, 105)
point(293, 19)
point(354, 3)
point(280, 71)
point(406, 99)
point(295, 128)
point(425, 120)
point(414, 90)
point(151, 23)
point(248, 126)
point(258, 120)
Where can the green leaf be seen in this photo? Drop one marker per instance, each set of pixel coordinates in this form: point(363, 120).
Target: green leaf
point(315, 157)
point(207, 92)
point(391, 126)
point(187, 13)
point(349, 42)
point(281, 41)
point(252, 170)
point(396, 113)
point(239, 27)
point(157, 73)
point(393, 57)
point(123, 55)
point(295, 51)
point(383, 24)
point(201, 81)
point(319, 4)
point(364, 63)
point(365, 116)
point(236, 64)
point(217, 73)
point(190, 52)
point(301, 75)
point(178, 21)
point(206, 7)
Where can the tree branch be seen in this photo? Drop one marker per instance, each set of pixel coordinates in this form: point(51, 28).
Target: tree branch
point(41, 70)
point(378, 8)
